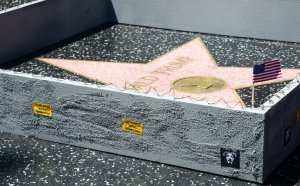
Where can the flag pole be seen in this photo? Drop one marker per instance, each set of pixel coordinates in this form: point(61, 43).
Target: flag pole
point(253, 88)
point(253, 95)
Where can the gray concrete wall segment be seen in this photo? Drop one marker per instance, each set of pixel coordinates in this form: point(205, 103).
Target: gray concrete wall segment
point(264, 19)
point(281, 117)
point(113, 88)
point(175, 132)
point(33, 27)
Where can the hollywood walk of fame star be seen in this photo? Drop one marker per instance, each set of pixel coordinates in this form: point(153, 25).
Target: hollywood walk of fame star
point(187, 62)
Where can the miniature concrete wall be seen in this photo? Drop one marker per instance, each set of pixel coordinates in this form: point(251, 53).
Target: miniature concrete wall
point(33, 27)
point(281, 117)
point(182, 133)
point(265, 19)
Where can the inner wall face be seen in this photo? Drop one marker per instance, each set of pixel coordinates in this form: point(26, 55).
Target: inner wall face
point(168, 56)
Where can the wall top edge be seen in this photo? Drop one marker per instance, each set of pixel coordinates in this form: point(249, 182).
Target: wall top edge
point(132, 92)
point(282, 93)
point(20, 6)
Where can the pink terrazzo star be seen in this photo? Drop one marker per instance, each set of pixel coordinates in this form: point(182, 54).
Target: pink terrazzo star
point(189, 60)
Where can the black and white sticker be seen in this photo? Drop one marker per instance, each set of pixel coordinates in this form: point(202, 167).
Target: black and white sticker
point(230, 158)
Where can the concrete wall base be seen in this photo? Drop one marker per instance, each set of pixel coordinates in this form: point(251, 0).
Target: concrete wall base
point(178, 132)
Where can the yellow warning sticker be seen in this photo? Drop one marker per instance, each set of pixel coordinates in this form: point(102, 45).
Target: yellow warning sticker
point(132, 127)
point(41, 109)
point(298, 116)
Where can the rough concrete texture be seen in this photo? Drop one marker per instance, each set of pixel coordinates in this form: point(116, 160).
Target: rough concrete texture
point(279, 118)
point(180, 133)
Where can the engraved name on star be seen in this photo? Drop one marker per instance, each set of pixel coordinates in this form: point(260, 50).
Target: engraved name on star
point(189, 60)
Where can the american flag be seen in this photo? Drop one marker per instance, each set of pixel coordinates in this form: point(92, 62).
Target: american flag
point(267, 71)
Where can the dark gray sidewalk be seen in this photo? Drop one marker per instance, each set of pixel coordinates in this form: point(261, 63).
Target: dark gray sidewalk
point(28, 161)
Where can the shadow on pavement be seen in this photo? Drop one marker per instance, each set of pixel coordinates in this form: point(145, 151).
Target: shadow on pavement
point(288, 172)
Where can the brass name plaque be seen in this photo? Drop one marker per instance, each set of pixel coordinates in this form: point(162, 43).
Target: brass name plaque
point(41, 109)
point(133, 127)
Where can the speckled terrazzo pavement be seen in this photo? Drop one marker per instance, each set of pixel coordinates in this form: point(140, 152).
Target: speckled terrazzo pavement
point(126, 43)
point(28, 161)
point(5, 4)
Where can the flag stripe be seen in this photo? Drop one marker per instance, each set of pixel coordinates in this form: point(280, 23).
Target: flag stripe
point(263, 77)
point(272, 62)
point(272, 65)
point(266, 73)
point(267, 79)
point(267, 76)
point(273, 75)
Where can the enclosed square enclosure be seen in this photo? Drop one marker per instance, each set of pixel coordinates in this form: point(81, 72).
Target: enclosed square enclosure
point(171, 91)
